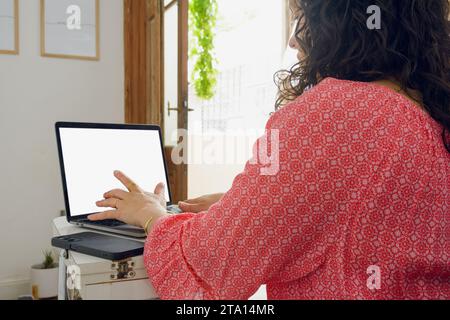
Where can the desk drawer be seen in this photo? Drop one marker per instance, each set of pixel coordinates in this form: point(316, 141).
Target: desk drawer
point(129, 290)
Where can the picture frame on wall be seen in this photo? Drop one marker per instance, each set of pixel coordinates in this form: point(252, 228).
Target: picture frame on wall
point(9, 26)
point(70, 29)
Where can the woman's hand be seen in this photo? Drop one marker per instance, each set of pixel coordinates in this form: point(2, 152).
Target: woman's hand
point(200, 204)
point(135, 207)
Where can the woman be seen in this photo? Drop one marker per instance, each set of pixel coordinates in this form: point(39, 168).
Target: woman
point(359, 208)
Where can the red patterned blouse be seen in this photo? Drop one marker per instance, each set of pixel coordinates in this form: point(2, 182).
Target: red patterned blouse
point(359, 208)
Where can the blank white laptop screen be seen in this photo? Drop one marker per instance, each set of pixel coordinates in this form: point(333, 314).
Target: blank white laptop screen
point(92, 155)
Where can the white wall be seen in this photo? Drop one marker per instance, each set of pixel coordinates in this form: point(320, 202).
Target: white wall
point(36, 92)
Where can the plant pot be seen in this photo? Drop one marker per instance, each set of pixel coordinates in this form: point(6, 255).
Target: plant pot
point(44, 282)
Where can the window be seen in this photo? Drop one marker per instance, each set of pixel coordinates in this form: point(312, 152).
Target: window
point(251, 41)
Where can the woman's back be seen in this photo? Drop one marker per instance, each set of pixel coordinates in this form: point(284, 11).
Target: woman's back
point(380, 174)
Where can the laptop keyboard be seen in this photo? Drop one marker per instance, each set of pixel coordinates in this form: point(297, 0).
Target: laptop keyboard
point(105, 223)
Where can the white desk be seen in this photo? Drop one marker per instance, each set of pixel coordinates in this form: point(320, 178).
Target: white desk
point(100, 279)
point(96, 274)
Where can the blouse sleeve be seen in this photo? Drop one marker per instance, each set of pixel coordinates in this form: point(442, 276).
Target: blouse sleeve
point(265, 228)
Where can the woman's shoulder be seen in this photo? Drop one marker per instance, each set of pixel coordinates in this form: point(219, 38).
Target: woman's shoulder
point(327, 97)
point(341, 100)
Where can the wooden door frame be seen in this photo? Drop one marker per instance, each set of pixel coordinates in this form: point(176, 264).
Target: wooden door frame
point(144, 73)
point(183, 88)
point(143, 53)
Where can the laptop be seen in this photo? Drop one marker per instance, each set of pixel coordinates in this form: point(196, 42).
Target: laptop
point(88, 156)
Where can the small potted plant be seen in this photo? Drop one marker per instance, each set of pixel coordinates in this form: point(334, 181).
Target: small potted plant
point(44, 278)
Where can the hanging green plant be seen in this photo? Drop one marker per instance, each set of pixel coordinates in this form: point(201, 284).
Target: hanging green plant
point(203, 19)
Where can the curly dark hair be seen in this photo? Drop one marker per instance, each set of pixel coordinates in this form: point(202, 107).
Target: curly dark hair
point(412, 47)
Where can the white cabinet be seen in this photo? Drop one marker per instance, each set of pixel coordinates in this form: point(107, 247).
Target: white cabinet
point(93, 278)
